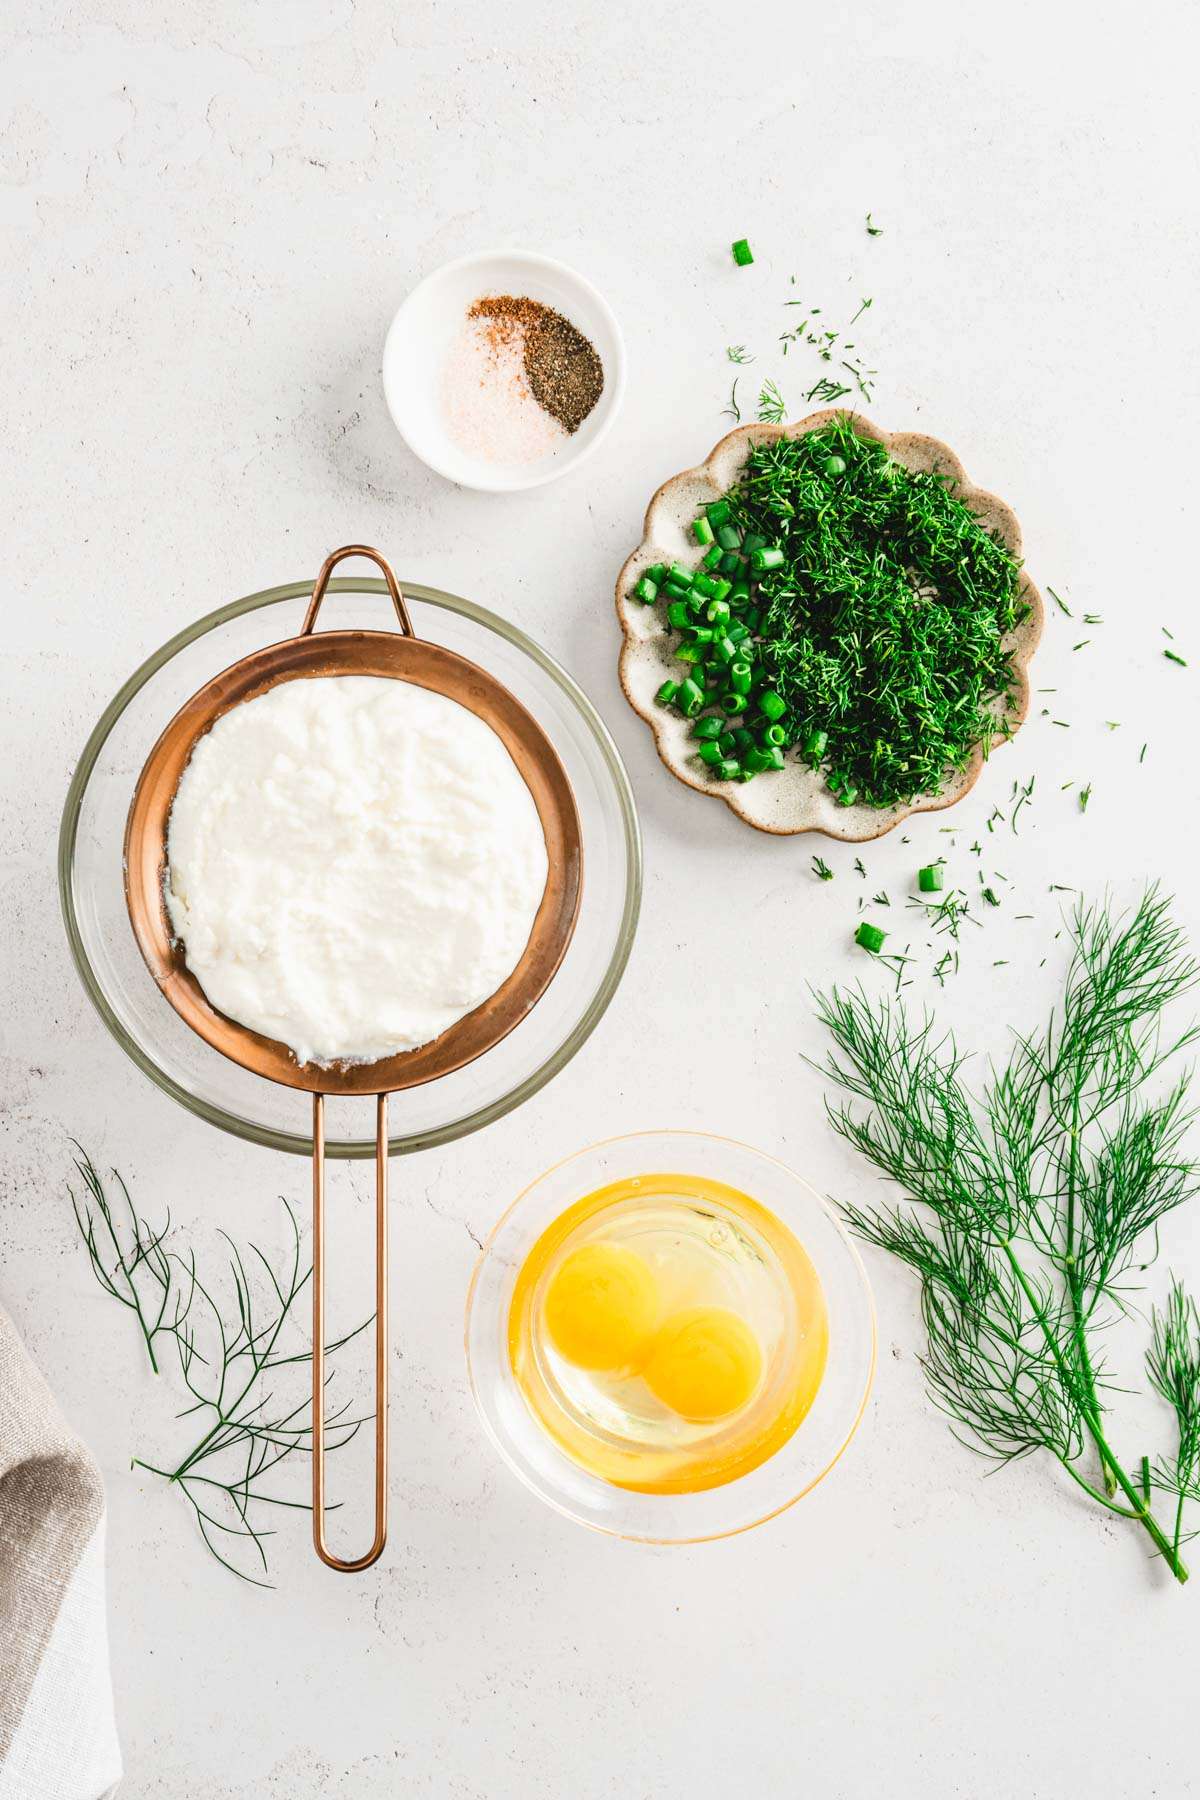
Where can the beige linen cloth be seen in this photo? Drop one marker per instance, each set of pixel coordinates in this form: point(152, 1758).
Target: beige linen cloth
point(58, 1738)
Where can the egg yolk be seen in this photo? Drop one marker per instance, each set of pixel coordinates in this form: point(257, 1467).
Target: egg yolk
point(602, 1307)
point(706, 1363)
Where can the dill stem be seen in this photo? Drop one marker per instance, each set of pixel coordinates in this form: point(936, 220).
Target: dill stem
point(1167, 1550)
point(1075, 1289)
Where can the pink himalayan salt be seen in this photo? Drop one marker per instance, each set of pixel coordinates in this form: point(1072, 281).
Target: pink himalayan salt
point(489, 405)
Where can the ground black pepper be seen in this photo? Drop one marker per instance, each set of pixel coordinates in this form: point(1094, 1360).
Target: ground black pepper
point(565, 375)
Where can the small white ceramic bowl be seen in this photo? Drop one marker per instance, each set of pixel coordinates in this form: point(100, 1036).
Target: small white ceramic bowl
point(423, 332)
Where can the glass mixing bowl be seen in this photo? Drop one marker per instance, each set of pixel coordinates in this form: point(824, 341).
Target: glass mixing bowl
point(796, 1467)
point(91, 876)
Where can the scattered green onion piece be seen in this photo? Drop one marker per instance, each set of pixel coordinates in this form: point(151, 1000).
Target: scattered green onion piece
point(679, 614)
point(728, 742)
point(722, 589)
point(752, 542)
point(730, 563)
point(671, 590)
point(756, 761)
point(701, 634)
point(717, 513)
point(815, 746)
point(739, 675)
point(717, 612)
point(733, 702)
point(727, 769)
point(667, 693)
point(691, 653)
point(869, 936)
point(770, 557)
point(707, 727)
point(646, 591)
point(743, 740)
point(702, 531)
point(835, 465)
point(742, 253)
point(684, 577)
point(738, 633)
point(724, 650)
point(771, 704)
point(712, 557)
point(848, 795)
point(776, 736)
point(704, 584)
point(657, 572)
point(710, 753)
point(728, 536)
point(931, 880)
point(690, 698)
point(774, 756)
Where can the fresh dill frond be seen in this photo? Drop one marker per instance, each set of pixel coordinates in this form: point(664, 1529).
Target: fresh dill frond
point(821, 869)
point(826, 391)
point(1085, 794)
point(1030, 1197)
point(772, 407)
point(738, 353)
point(733, 410)
point(1060, 603)
point(231, 1351)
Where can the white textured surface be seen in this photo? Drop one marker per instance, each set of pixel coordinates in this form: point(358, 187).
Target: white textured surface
point(210, 213)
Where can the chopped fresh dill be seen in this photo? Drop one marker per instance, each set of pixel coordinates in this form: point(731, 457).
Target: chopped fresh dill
point(733, 410)
point(873, 230)
point(880, 899)
point(858, 867)
point(1060, 603)
point(989, 895)
point(886, 626)
point(821, 869)
point(862, 308)
point(738, 353)
point(1092, 619)
point(1142, 753)
point(1022, 795)
point(1174, 656)
point(1082, 644)
point(1085, 794)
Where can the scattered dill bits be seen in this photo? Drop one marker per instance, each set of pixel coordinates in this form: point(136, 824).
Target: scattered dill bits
point(1174, 656)
point(989, 895)
point(880, 899)
point(826, 391)
point(821, 869)
point(738, 353)
point(872, 229)
point(772, 408)
point(1085, 794)
point(1060, 603)
point(1113, 724)
point(863, 306)
point(733, 410)
point(947, 964)
point(1022, 795)
point(1082, 644)
point(1092, 619)
point(1142, 753)
point(858, 867)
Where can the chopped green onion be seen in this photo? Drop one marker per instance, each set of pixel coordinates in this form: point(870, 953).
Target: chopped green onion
point(728, 743)
point(707, 727)
point(684, 577)
point(646, 591)
point(727, 770)
point(717, 612)
point(776, 736)
point(870, 937)
point(815, 746)
point(702, 531)
point(722, 589)
point(835, 465)
point(728, 536)
point(679, 614)
point(742, 253)
point(712, 556)
point(704, 584)
point(691, 698)
point(931, 880)
point(717, 512)
point(739, 675)
point(743, 740)
point(770, 557)
point(667, 693)
point(710, 753)
point(730, 563)
point(771, 704)
point(757, 761)
point(657, 572)
point(733, 702)
point(691, 653)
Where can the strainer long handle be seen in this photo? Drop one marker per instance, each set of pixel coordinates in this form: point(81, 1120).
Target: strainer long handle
point(381, 1341)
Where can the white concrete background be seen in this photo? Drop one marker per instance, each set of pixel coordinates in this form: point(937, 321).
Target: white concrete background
point(210, 210)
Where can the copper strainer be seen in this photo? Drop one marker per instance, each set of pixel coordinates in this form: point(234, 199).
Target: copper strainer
point(403, 657)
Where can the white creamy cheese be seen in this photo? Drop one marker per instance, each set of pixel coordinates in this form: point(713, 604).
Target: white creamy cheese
point(353, 864)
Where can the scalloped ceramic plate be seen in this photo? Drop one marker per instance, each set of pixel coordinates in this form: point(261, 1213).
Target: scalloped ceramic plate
point(796, 799)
